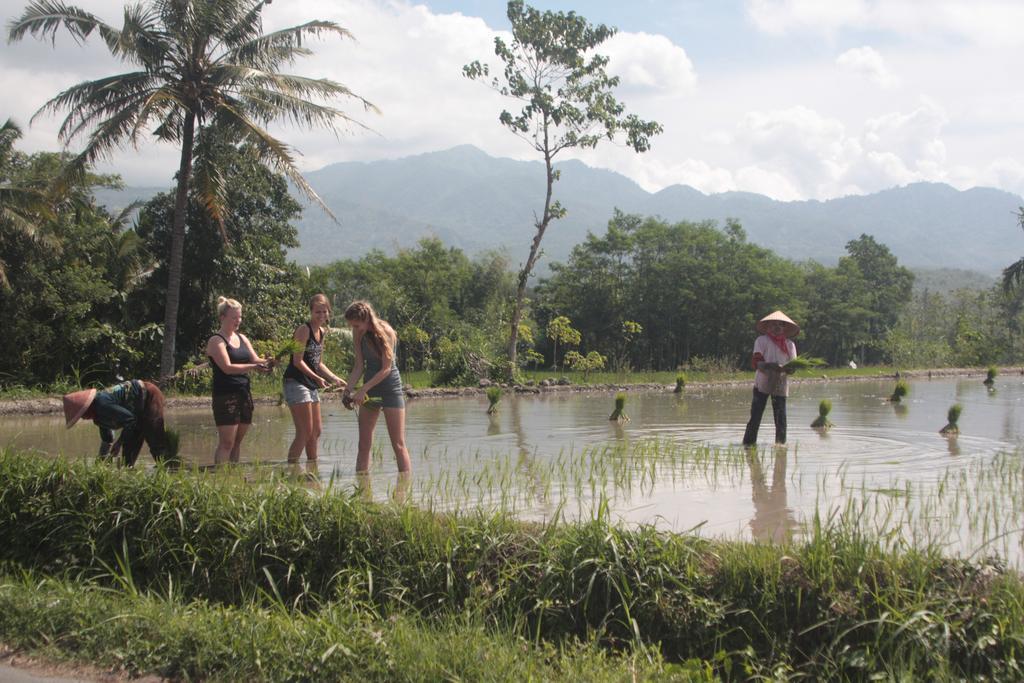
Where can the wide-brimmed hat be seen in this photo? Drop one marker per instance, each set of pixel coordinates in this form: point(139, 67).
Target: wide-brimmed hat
point(75, 405)
point(790, 328)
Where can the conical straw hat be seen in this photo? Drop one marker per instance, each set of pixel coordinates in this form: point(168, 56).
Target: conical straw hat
point(790, 328)
point(75, 405)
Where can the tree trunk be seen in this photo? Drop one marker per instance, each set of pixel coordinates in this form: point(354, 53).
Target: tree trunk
point(177, 249)
point(524, 274)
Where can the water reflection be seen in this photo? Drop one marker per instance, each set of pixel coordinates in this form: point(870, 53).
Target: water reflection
point(537, 444)
point(773, 519)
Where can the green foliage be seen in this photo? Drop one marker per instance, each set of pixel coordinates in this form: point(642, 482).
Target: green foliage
point(64, 306)
point(567, 100)
point(1013, 275)
point(252, 266)
point(585, 364)
point(692, 289)
point(561, 331)
point(204, 75)
point(900, 391)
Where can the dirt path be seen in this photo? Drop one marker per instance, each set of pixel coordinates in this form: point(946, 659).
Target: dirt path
point(43, 406)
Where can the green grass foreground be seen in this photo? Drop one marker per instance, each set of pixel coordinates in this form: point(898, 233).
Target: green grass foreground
point(209, 561)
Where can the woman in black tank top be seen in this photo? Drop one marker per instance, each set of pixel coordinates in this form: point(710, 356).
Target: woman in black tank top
point(304, 376)
point(232, 358)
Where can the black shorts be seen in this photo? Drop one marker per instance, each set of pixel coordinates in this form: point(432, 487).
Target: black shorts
point(232, 409)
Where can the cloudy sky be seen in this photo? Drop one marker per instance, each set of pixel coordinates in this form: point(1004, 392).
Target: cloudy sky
point(795, 99)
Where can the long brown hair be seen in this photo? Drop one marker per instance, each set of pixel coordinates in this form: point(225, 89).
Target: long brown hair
point(375, 328)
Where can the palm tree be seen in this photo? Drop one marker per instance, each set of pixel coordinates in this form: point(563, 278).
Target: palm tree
point(23, 205)
point(206, 70)
point(1013, 275)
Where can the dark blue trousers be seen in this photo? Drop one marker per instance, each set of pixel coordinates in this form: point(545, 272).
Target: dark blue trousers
point(757, 410)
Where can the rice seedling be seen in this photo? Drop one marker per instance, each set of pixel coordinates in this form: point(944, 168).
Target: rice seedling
point(285, 350)
point(172, 444)
point(952, 428)
point(900, 391)
point(368, 401)
point(619, 412)
point(680, 383)
point(990, 375)
point(804, 363)
point(493, 396)
point(822, 421)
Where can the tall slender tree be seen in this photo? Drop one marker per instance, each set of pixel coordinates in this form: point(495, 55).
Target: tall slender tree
point(204, 69)
point(567, 101)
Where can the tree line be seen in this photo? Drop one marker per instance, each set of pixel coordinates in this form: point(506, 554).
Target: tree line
point(83, 290)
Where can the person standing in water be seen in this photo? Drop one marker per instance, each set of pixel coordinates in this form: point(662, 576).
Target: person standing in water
point(232, 358)
point(772, 350)
point(304, 376)
point(375, 341)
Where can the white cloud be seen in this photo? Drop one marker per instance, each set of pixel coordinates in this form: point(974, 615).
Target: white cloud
point(979, 21)
point(651, 63)
point(782, 125)
point(866, 61)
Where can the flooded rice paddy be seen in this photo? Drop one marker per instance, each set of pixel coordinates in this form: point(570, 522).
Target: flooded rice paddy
point(677, 463)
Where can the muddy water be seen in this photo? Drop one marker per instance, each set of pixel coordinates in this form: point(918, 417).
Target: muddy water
point(559, 454)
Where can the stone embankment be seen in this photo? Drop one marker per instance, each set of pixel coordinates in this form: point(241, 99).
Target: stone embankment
point(43, 406)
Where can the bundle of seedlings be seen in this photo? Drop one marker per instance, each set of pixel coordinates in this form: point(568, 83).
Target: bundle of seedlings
point(803, 363)
point(172, 443)
point(493, 396)
point(901, 390)
point(620, 404)
point(822, 421)
point(285, 350)
point(990, 375)
point(952, 428)
point(369, 402)
point(680, 383)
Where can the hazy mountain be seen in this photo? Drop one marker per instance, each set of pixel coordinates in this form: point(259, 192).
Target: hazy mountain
point(476, 202)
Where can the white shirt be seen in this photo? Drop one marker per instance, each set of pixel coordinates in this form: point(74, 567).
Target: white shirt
point(773, 382)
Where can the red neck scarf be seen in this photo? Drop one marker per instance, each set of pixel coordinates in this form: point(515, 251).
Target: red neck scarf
point(780, 341)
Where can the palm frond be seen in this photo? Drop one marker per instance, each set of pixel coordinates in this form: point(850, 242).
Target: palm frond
point(269, 149)
point(270, 50)
point(43, 18)
point(1013, 275)
point(211, 190)
point(92, 101)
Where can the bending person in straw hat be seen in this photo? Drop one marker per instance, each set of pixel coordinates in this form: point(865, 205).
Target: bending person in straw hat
point(135, 407)
point(772, 350)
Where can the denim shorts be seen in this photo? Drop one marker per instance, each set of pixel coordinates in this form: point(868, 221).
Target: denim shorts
point(296, 393)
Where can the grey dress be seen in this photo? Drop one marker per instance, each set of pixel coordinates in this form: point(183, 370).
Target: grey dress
point(390, 389)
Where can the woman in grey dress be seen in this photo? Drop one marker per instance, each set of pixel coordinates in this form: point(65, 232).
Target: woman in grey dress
point(375, 341)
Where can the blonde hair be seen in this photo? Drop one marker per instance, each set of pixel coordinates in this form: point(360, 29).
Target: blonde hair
point(224, 304)
point(363, 312)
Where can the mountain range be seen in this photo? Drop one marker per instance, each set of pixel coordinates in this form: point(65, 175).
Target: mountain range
point(476, 202)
